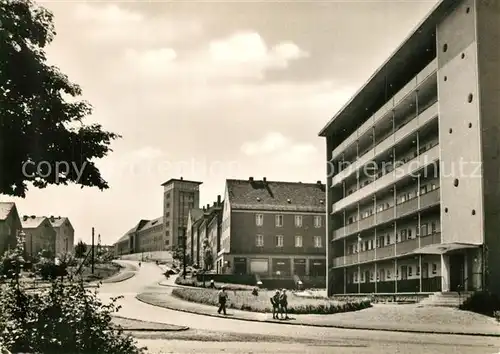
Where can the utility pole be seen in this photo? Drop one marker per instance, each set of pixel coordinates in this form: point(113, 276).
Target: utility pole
point(92, 252)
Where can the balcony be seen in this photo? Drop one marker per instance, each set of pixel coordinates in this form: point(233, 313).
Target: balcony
point(387, 108)
point(392, 140)
point(367, 256)
point(432, 239)
point(410, 167)
point(386, 252)
point(406, 246)
point(409, 207)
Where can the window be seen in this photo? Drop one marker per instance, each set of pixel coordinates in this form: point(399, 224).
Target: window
point(317, 221)
point(259, 240)
point(318, 242)
point(433, 227)
point(433, 186)
point(409, 233)
point(279, 241)
point(259, 219)
point(418, 271)
point(434, 268)
point(298, 241)
point(388, 274)
point(298, 220)
point(423, 189)
point(424, 230)
point(279, 220)
point(167, 195)
point(167, 205)
point(355, 276)
point(404, 236)
point(388, 239)
point(410, 270)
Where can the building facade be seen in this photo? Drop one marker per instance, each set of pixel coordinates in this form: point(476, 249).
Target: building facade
point(39, 235)
point(194, 218)
point(272, 229)
point(10, 226)
point(413, 175)
point(65, 234)
point(150, 236)
point(179, 196)
point(130, 243)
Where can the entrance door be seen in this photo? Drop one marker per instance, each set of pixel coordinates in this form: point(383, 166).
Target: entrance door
point(404, 272)
point(367, 276)
point(240, 266)
point(457, 272)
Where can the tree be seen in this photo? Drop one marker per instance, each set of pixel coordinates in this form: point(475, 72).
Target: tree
point(178, 253)
point(65, 318)
point(80, 249)
point(37, 122)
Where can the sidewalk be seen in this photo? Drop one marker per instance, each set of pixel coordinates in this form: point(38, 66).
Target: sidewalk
point(381, 317)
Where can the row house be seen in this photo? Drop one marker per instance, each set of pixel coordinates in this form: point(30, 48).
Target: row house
point(273, 229)
point(412, 185)
point(10, 226)
point(40, 235)
point(65, 234)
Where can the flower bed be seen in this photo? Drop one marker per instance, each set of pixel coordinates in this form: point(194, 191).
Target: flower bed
point(244, 300)
point(199, 284)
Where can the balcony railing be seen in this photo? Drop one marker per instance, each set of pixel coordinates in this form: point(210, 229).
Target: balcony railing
point(410, 167)
point(403, 209)
point(386, 109)
point(412, 126)
point(389, 251)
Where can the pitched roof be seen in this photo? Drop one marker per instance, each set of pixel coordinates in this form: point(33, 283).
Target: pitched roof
point(32, 222)
point(196, 214)
point(58, 221)
point(5, 209)
point(276, 195)
point(151, 223)
point(137, 226)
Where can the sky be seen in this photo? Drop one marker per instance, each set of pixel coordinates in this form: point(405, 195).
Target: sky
point(210, 91)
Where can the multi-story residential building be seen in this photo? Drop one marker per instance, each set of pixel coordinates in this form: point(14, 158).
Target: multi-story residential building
point(214, 231)
point(150, 236)
point(179, 196)
point(10, 226)
point(194, 218)
point(413, 178)
point(65, 234)
point(39, 235)
point(273, 228)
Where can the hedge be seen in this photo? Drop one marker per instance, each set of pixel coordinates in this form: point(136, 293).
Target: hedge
point(244, 300)
point(199, 284)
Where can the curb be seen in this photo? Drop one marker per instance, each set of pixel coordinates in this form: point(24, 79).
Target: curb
point(106, 281)
point(143, 329)
point(351, 327)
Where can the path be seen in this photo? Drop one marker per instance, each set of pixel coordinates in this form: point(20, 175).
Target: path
point(150, 274)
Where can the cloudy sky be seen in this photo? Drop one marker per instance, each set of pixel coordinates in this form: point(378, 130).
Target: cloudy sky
point(209, 91)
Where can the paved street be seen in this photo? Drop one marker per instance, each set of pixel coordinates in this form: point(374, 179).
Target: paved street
point(303, 339)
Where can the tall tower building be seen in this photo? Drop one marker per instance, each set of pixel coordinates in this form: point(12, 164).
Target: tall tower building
point(179, 197)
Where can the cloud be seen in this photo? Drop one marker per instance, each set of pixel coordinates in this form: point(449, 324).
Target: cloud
point(243, 55)
point(279, 149)
point(114, 25)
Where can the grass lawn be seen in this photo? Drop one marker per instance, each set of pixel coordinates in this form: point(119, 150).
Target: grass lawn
point(101, 271)
point(244, 300)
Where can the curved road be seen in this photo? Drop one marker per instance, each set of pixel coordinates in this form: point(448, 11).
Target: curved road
point(149, 274)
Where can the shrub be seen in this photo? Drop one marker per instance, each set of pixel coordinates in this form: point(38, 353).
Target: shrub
point(48, 270)
point(482, 302)
point(64, 318)
point(244, 300)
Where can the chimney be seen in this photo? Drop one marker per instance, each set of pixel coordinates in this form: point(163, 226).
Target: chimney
point(250, 179)
point(208, 206)
point(203, 208)
point(318, 182)
point(25, 217)
point(182, 178)
point(215, 204)
point(218, 200)
point(33, 216)
point(264, 179)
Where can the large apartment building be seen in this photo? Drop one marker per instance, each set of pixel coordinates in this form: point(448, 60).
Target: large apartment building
point(179, 196)
point(273, 229)
point(413, 184)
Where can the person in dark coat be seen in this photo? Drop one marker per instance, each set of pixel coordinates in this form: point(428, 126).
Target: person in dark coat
point(283, 303)
point(222, 300)
point(275, 301)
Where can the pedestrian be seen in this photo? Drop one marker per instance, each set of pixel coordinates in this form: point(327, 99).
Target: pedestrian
point(212, 284)
point(139, 264)
point(275, 301)
point(283, 303)
point(222, 300)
